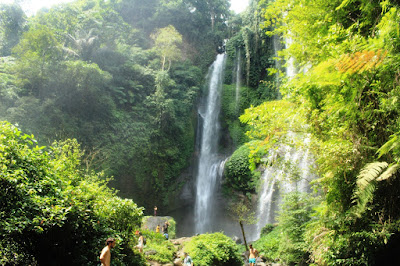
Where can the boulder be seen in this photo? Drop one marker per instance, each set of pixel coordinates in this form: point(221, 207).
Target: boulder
point(180, 241)
point(237, 240)
point(178, 262)
point(150, 252)
point(179, 253)
point(151, 222)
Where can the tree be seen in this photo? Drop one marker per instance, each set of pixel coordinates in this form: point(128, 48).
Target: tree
point(37, 54)
point(241, 213)
point(83, 44)
point(51, 208)
point(12, 24)
point(167, 41)
point(293, 217)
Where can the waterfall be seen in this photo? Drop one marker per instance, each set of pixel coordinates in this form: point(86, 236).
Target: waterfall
point(290, 65)
point(275, 181)
point(238, 80)
point(209, 166)
point(277, 46)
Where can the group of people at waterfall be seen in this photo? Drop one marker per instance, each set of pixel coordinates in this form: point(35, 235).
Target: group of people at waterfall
point(105, 256)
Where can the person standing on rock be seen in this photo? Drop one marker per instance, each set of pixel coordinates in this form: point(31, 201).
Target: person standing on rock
point(253, 255)
point(187, 261)
point(158, 229)
point(105, 255)
point(155, 210)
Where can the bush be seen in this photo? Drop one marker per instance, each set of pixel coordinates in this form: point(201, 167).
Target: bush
point(50, 209)
point(164, 249)
point(268, 244)
point(213, 249)
point(237, 172)
point(267, 229)
point(294, 216)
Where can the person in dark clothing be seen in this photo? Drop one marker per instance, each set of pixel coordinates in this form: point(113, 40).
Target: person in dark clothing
point(165, 230)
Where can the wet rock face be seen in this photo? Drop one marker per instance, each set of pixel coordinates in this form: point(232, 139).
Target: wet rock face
point(152, 222)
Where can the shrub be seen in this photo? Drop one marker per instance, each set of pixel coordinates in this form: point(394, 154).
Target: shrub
point(237, 172)
point(50, 209)
point(267, 229)
point(213, 249)
point(268, 244)
point(164, 249)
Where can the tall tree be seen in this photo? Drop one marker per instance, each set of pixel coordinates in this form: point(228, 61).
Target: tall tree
point(167, 41)
point(12, 24)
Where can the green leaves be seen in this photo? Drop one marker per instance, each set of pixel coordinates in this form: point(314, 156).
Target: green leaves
point(167, 44)
point(237, 171)
point(46, 198)
point(213, 249)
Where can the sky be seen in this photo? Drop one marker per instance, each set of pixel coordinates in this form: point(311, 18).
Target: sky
point(239, 5)
point(31, 6)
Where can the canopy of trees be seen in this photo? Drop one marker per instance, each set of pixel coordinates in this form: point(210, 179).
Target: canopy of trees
point(122, 77)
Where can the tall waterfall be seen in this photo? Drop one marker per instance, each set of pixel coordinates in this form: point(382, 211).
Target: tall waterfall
point(210, 163)
point(275, 181)
point(238, 79)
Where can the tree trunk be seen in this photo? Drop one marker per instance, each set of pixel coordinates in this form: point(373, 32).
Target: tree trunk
point(244, 236)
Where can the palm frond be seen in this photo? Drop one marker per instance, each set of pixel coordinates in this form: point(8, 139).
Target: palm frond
point(70, 51)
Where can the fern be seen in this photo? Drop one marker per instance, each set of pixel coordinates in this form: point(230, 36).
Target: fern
point(370, 173)
point(366, 185)
point(389, 172)
point(373, 173)
point(392, 144)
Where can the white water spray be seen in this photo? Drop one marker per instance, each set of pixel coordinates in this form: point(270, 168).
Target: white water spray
point(275, 181)
point(290, 65)
point(209, 169)
point(238, 80)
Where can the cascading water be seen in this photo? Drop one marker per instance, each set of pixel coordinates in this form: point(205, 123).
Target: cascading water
point(238, 80)
point(290, 66)
point(275, 182)
point(209, 166)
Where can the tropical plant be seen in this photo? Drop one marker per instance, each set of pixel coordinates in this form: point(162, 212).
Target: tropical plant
point(50, 208)
point(213, 249)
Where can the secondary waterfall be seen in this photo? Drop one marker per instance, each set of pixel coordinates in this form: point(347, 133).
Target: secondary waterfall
point(276, 181)
point(210, 162)
point(238, 79)
point(290, 65)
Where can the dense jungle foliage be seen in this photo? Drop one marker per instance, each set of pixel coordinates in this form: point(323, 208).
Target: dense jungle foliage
point(53, 212)
point(122, 77)
point(344, 92)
